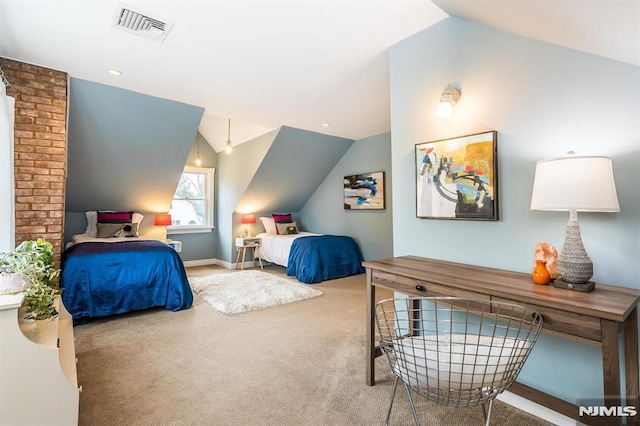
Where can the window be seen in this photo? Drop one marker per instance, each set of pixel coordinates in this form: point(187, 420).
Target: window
point(192, 205)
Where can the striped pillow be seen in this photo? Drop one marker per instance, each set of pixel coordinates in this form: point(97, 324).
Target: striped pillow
point(114, 217)
point(282, 218)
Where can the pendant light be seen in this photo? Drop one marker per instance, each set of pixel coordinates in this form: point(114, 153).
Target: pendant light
point(198, 160)
point(228, 148)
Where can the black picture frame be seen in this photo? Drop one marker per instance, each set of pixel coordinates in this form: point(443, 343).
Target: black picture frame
point(457, 178)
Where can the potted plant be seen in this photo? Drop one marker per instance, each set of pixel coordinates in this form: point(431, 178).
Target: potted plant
point(13, 273)
point(33, 261)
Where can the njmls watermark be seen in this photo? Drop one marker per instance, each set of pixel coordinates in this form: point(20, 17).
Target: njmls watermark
point(604, 411)
point(611, 408)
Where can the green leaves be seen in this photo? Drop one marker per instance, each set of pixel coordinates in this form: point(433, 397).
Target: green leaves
point(34, 259)
point(38, 302)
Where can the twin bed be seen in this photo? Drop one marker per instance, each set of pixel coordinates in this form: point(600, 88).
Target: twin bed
point(313, 258)
point(104, 275)
point(109, 270)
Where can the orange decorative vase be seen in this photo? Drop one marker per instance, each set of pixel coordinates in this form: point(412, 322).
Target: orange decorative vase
point(540, 274)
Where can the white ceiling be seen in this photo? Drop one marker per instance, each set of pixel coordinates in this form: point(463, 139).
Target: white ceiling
point(300, 63)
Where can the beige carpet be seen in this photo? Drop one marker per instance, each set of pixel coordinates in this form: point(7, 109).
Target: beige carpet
point(295, 364)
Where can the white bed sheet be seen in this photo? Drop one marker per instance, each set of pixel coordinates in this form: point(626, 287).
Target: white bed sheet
point(276, 248)
point(87, 238)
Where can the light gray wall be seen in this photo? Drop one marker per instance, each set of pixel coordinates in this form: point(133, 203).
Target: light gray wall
point(324, 212)
point(126, 151)
point(203, 245)
point(543, 100)
point(296, 163)
point(276, 173)
point(235, 173)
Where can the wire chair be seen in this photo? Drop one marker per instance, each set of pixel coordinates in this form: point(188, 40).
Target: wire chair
point(454, 351)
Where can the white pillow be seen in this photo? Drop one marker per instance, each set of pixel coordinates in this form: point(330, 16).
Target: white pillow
point(458, 361)
point(137, 218)
point(92, 220)
point(269, 225)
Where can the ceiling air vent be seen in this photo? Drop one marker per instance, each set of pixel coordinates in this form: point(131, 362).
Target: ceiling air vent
point(141, 24)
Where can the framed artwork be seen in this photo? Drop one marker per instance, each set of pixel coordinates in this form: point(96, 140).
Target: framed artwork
point(457, 178)
point(364, 191)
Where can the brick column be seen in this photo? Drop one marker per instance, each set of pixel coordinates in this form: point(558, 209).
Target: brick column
point(40, 150)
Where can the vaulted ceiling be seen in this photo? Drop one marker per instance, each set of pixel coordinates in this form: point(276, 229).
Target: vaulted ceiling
point(299, 63)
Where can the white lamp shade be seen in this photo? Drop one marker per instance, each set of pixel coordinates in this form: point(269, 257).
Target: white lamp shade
point(580, 183)
point(444, 110)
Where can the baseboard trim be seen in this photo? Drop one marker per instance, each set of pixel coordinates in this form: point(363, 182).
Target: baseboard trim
point(226, 265)
point(200, 262)
point(536, 409)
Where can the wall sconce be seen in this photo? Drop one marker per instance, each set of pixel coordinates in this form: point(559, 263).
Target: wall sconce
point(574, 183)
point(248, 219)
point(448, 100)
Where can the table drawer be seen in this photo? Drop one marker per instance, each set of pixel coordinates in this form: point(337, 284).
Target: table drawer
point(413, 287)
point(567, 324)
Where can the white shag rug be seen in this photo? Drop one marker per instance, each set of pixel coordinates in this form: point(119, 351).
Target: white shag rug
point(237, 292)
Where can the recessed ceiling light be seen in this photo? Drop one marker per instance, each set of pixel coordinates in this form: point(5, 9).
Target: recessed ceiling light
point(326, 124)
point(114, 72)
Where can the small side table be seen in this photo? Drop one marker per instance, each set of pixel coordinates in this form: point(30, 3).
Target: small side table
point(244, 243)
point(176, 245)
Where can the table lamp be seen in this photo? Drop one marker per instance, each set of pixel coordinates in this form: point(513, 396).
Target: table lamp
point(248, 219)
point(574, 183)
point(164, 220)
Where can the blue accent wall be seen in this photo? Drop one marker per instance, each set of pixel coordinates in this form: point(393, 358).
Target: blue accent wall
point(543, 100)
point(291, 171)
point(126, 151)
point(277, 172)
point(324, 212)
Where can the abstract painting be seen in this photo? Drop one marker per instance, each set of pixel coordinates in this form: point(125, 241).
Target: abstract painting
point(457, 178)
point(364, 191)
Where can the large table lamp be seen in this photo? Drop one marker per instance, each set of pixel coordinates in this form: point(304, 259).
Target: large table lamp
point(574, 184)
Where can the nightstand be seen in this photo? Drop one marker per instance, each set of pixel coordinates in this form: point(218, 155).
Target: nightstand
point(176, 245)
point(244, 243)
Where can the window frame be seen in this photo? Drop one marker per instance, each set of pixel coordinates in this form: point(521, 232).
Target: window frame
point(209, 203)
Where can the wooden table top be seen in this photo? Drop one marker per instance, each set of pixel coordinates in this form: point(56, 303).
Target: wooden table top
point(606, 301)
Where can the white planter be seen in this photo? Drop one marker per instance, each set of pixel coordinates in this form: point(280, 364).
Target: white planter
point(10, 283)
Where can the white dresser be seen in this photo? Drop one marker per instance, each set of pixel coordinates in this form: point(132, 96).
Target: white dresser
point(39, 384)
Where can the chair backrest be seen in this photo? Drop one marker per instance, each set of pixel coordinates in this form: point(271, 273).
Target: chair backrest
point(456, 351)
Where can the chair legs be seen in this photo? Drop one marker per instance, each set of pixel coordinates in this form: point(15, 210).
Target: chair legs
point(486, 407)
point(486, 412)
point(413, 407)
point(393, 396)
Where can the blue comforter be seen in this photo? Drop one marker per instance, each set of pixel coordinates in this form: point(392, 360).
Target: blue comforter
point(315, 259)
point(100, 279)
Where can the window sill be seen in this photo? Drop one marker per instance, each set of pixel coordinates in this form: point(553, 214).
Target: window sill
point(189, 230)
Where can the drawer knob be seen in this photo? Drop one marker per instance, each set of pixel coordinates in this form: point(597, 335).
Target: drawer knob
point(420, 288)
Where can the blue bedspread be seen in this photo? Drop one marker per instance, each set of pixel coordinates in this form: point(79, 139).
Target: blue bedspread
point(315, 259)
point(102, 279)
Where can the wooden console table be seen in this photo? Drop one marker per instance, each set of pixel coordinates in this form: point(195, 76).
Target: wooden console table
point(596, 317)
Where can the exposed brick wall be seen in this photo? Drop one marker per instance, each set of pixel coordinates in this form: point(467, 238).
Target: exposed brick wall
point(40, 150)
